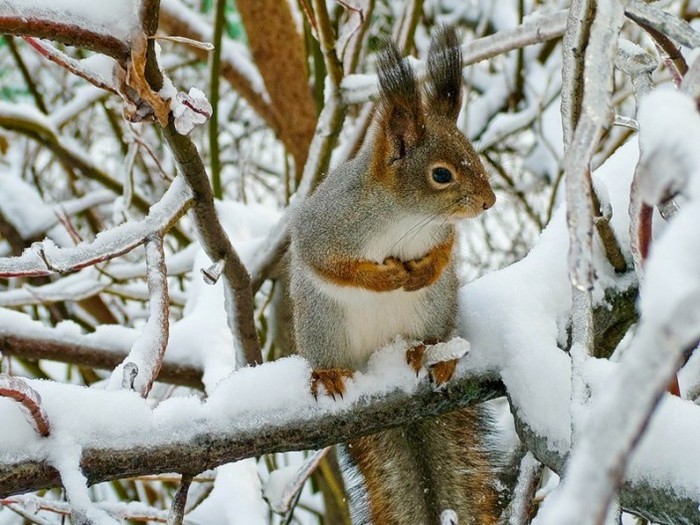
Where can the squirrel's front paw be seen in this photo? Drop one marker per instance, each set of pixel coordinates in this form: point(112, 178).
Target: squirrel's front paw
point(421, 273)
point(332, 379)
point(394, 275)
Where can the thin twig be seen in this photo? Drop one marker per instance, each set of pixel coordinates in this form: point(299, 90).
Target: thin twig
point(522, 502)
point(69, 64)
point(31, 85)
point(177, 508)
point(147, 352)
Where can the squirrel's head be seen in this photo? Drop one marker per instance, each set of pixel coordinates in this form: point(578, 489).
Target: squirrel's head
point(419, 153)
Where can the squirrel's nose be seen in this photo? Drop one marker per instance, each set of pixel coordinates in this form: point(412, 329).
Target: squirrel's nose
point(489, 201)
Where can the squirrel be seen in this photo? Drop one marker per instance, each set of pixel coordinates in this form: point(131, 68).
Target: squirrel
point(372, 259)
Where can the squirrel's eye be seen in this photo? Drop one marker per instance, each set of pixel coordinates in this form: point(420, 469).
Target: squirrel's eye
point(442, 175)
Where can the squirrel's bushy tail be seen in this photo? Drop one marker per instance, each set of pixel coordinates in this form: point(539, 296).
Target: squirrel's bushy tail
point(411, 475)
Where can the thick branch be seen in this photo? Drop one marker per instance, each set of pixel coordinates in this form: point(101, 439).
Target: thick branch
point(216, 244)
point(196, 450)
point(270, 27)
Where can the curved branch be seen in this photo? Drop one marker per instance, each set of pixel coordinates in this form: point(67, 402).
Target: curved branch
point(18, 390)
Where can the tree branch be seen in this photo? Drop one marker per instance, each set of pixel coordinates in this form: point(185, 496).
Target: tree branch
point(198, 449)
point(69, 34)
point(86, 351)
point(18, 390)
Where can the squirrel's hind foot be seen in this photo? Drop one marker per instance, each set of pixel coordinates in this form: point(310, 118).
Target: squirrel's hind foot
point(440, 372)
point(332, 379)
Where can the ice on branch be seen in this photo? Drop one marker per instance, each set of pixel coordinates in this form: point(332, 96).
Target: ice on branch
point(190, 110)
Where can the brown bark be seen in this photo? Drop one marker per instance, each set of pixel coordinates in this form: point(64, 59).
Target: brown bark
point(91, 355)
point(69, 34)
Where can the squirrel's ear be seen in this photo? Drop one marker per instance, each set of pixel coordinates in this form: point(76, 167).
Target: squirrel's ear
point(444, 86)
point(400, 107)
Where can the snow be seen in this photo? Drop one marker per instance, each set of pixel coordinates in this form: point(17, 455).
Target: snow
point(236, 497)
point(678, 248)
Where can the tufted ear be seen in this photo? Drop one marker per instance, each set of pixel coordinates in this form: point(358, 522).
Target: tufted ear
point(401, 110)
point(444, 86)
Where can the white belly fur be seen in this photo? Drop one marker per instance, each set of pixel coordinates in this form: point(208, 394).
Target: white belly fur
point(374, 318)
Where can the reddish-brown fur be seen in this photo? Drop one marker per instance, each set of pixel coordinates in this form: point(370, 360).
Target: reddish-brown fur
point(391, 274)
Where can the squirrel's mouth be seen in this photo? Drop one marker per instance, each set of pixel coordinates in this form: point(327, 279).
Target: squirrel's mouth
point(467, 212)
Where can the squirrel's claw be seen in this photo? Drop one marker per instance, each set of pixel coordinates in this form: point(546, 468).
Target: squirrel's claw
point(332, 379)
point(440, 372)
point(414, 357)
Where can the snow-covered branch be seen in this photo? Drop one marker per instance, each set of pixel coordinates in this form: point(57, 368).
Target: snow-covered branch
point(18, 390)
point(105, 31)
point(228, 425)
point(46, 258)
point(104, 349)
point(140, 368)
point(535, 30)
point(670, 319)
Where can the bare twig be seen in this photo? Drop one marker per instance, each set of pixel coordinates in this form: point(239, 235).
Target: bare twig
point(16, 389)
point(326, 38)
point(31, 85)
point(286, 498)
point(214, 77)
